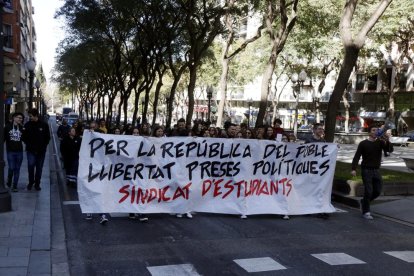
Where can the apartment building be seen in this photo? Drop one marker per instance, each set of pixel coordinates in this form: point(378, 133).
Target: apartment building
point(19, 46)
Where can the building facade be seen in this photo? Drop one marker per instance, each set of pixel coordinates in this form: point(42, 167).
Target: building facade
point(19, 47)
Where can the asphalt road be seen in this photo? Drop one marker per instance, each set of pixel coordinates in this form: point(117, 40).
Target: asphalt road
point(211, 244)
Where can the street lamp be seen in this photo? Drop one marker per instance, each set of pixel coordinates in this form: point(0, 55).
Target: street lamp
point(249, 103)
point(5, 197)
point(37, 84)
point(298, 81)
point(31, 65)
point(209, 95)
point(316, 96)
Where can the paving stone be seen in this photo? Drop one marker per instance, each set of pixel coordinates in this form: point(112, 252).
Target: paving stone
point(13, 261)
point(39, 263)
point(16, 241)
point(21, 231)
point(60, 269)
point(19, 252)
point(3, 251)
point(15, 271)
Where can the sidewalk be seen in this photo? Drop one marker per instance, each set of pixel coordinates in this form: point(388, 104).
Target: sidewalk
point(26, 232)
point(395, 207)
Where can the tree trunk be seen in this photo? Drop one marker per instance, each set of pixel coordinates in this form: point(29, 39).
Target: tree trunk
point(156, 98)
point(264, 91)
point(350, 58)
point(191, 87)
point(223, 88)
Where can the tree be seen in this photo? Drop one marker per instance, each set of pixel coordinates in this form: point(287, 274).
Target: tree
point(279, 24)
point(352, 44)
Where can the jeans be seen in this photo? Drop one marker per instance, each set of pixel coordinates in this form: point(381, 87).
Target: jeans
point(14, 161)
point(35, 166)
point(373, 186)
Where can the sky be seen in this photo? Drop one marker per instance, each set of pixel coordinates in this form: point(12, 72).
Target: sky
point(49, 33)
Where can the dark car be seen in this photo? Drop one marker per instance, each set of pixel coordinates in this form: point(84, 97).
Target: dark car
point(410, 135)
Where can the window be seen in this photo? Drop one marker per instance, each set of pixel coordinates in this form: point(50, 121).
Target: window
point(372, 82)
point(7, 36)
point(360, 81)
point(402, 79)
point(8, 4)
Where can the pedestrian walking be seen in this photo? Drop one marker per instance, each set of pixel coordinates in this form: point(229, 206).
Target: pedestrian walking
point(69, 149)
point(371, 152)
point(36, 136)
point(14, 147)
point(63, 129)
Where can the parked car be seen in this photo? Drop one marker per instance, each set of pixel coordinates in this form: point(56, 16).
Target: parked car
point(410, 135)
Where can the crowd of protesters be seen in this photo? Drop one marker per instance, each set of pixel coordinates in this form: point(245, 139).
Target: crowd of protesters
point(71, 140)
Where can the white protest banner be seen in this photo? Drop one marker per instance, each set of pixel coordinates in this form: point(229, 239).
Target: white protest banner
point(133, 174)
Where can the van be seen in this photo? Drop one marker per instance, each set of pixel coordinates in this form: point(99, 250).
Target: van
point(72, 118)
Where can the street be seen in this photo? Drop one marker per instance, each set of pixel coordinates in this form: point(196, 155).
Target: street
point(216, 244)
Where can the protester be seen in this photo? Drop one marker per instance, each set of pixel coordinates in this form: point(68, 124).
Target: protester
point(63, 129)
point(102, 126)
point(318, 136)
point(141, 217)
point(181, 129)
point(145, 129)
point(371, 152)
point(69, 149)
point(277, 129)
point(14, 147)
point(36, 136)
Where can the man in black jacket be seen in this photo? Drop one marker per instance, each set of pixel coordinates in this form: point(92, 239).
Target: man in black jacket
point(14, 146)
point(36, 136)
point(371, 152)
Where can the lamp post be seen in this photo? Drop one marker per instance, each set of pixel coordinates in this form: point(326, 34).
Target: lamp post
point(316, 96)
point(37, 84)
point(5, 197)
point(298, 81)
point(209, 95)
point(249, 103)
point(31, 65)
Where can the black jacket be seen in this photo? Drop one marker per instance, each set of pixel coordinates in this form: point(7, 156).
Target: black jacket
point(371, 152)
point(69, 149)
point(36, 136)
point(13, 137)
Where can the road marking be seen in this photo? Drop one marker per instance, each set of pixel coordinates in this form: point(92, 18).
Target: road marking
point(407, 256)
point(173, 270)
point(337, 258)
point(259, 264)
point(337, 210)
point(68, 202)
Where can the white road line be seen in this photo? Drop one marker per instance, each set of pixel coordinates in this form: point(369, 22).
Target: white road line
point(68, 202)
point(337, 259)
point(259, 264)
point(407, 256)
point(173, 270)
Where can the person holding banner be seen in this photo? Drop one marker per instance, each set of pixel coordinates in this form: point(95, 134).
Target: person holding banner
point(104, 219)
point(371, 152)
point(318, 136)
point(141, 217)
